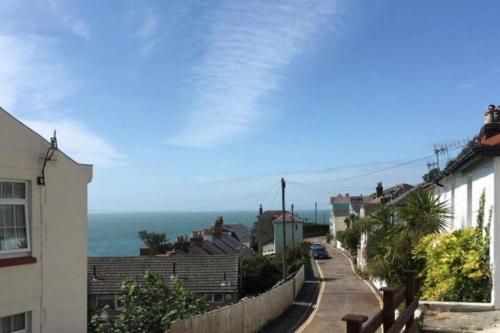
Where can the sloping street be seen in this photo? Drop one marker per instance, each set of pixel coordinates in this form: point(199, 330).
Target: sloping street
point(342, 293)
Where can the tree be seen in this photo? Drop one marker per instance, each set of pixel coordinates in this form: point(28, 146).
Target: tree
point(156, 242)
point(150, 305)
point(394, 233)
point(457, 264)
point(260, 273)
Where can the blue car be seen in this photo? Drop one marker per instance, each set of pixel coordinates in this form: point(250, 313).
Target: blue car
point(319, 252)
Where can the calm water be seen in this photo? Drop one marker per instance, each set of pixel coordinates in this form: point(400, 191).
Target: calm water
point(115, 234)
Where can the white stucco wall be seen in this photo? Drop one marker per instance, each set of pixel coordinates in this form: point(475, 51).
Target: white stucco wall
point(462, 190)
point(298, 235)
point(54, 289)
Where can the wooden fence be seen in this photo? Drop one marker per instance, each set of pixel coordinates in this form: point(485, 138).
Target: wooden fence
point(247, 316)
point(386, 317)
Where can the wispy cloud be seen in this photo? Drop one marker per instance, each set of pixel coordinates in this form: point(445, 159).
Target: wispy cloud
point(30, 78)
point(34, 84)
point(68, 20)
point(249, 46)
point(79, 142)
point(148, 32)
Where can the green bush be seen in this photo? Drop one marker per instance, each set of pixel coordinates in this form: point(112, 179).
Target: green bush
point(457, 267)
point(260, 273)
point(457, 264)
point(315, 230)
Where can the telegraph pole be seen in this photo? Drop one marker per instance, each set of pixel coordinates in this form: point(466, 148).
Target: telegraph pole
point(284, 226)
point(315, 213)
point(293, 230)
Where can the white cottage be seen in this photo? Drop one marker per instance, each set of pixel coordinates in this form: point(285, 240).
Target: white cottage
point(43, 233)
point(477, 169)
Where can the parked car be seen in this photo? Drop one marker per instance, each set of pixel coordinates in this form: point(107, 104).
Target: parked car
point(319, 252)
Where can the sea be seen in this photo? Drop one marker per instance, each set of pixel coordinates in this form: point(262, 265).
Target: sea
point(115, 234)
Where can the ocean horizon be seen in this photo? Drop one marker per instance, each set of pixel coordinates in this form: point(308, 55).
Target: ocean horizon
point(115, 233)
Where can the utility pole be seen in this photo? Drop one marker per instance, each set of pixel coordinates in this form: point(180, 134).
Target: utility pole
point(284, 226)
point(315, 213)
point(293, 230)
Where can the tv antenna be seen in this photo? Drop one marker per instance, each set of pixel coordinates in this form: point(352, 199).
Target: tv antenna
point(442, 151)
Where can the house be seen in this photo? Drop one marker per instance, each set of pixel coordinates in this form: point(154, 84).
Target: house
point(293, 231)
point(215, 277)
point(220, 239)
point(343, 207)
point(268, 230)
point(43, 233)
point(474, 170)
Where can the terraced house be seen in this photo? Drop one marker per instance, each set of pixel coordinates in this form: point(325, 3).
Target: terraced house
point(43, 233)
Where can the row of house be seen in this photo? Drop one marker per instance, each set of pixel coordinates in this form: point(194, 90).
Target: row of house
point(474, 171)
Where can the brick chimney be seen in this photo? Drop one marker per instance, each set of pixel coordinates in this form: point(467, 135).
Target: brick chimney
point(379, 190)
point(490, 132)
point(181, 244)
point(218, 227)
point(197, 238)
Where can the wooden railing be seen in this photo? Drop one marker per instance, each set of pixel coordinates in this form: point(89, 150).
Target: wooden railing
point(386, 317)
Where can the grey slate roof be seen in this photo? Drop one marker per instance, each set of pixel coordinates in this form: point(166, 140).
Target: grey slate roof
point(199, 273)
point(241, 231)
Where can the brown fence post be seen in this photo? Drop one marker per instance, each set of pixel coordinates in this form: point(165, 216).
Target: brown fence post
point(409, 294)
point(388, 308)
point(354, 322)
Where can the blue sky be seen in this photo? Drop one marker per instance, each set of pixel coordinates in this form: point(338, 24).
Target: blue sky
point(205, 105)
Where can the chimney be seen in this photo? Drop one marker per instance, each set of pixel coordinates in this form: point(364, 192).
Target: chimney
point(218, 227)
point(489, 115)
point(490, 132)
point(260, 210)
point(181, 244)
point(197, 238)
point(379, 190)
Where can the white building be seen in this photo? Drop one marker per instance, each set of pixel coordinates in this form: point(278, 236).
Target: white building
point(43, 234)
point(477, 169)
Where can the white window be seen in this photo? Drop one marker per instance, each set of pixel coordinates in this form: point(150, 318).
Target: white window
point(14, 231)
point(14, 324)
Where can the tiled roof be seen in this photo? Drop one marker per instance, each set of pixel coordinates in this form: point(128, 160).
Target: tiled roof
point(199, 273)
point(241, 231)
point(288, 218)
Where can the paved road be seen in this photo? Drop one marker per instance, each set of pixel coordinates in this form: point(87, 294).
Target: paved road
point(343, 293)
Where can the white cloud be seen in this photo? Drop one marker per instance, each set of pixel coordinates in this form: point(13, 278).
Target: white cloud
point(148, 31)
point(30, 78)
point(68, 20)
point(34, 83)
point(250, 43)
point(78, 142)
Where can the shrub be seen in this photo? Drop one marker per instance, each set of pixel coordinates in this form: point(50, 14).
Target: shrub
point(456, 268)
point(260, 273)
point(457, 264)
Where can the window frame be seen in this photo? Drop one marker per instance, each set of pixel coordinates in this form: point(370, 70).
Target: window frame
point(26, 328)
point(25, 202)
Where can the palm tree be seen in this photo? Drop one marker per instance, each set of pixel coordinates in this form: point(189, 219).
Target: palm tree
point(394, 232)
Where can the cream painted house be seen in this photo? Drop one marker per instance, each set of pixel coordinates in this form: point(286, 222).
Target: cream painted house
point(477, 169)
point(43, 234)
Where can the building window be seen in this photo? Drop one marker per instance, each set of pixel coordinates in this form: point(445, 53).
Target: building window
point(296, 227)
point(14, 324)
point(14, 236)
point(106, 300)
point(214, 298)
